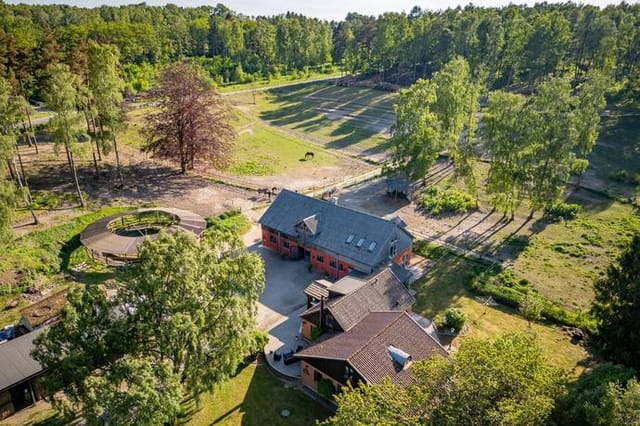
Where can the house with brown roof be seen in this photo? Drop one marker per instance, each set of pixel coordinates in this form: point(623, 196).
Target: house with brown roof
point(44, 312)
point(380, 345)
point(339, 306)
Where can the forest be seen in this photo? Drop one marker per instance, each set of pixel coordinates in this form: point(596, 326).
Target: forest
point(506, 46)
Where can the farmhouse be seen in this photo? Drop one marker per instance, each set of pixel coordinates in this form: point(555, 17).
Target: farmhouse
point(333, 239)
point(342, 305)
point(382, 345)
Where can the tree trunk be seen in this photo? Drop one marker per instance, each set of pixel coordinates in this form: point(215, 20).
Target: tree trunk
point(92, 139)
point(31, 132)
point(101, 136)
point(25, 188)
point(115, 150)
point(25, 132)
point(72, 165)
point(12, 172)
point(95, 135)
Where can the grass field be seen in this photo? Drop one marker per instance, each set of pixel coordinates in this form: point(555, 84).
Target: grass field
point(351, 118)
point(565, 259)
point(287, 79)
point(254, 397)
point(562, 260)
point(443, 287)
point(259, 150)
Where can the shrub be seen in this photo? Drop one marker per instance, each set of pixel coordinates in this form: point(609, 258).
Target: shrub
point(454, 318)
point(438, 201)
point(559, 211)
point(315, 333)
point(232, 220)
point(429, 250)
point(623, 176)
point(326, 388)
point(505, 289)
point(260, 340)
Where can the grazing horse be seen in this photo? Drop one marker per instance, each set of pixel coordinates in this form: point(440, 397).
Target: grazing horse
point(266, 191)
point(309, 156)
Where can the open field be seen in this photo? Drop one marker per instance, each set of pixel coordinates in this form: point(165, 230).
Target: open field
point(283, 80)
point(443, 287)
point(561, 260)
point(264, 155)
point(354, 119)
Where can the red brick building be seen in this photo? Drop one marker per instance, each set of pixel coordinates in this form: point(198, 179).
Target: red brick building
point(340, 306)
point(381, 345)
point(333, 239)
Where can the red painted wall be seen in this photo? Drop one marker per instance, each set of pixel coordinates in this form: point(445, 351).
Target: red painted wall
point(325, 266)
point(278, 246)
point(399, 256)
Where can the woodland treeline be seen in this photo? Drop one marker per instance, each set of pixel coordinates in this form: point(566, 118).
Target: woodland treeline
point(506, 46)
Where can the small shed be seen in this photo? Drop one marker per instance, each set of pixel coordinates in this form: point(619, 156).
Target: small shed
point(398, 187)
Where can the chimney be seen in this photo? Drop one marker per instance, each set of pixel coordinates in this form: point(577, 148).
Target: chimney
point(399, 357)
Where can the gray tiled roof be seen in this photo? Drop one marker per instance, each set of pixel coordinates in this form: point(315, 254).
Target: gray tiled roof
point(16, 363)
point(333, 225)
point(365, 346)
point(381, 292)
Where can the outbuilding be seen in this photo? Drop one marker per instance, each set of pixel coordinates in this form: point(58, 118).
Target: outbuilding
point(19, 373)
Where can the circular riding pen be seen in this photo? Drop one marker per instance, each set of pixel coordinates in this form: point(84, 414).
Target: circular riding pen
point(114, 239)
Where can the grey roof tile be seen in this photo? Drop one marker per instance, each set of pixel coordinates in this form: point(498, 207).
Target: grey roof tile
point(16, 363)
point(333, 225)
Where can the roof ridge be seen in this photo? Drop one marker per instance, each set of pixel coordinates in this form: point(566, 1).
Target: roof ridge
point(401, 313)
point(339, 206)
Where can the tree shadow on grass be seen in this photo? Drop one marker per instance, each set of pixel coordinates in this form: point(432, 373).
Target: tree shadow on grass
point(254, 397)
point(445, 283)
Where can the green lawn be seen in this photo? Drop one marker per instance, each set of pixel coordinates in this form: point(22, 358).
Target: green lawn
point(275, 82)
point(340, 117)
point(564, 259)
point(255, 397)
point(443, 287)
point(261, 151)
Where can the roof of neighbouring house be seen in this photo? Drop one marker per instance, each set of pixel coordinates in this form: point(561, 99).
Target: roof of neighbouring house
point(354, 235)
point(365, 346)
point(355, 298)
point(16, 363)
point(45, 309)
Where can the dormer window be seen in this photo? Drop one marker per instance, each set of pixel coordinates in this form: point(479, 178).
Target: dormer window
point(360, 242)
point(372, 246)
point(350, 238)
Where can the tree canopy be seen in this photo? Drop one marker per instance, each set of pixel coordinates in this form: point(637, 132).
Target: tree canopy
point(502, 381)
point(192, 123)
point(512, 44)
point(616, 307)
point(182, 324)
